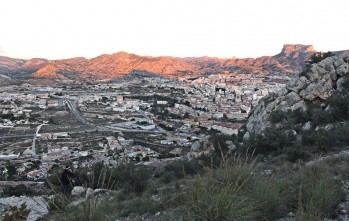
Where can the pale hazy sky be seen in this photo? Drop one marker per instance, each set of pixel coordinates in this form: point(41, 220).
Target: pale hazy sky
point(222, 28)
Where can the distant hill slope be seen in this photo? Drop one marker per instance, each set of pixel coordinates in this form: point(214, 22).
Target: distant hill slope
point(291, 59)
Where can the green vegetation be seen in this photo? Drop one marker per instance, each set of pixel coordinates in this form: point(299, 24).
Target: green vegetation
point(237, 189)
point(180, 169)
point(329, 128)
point(273, 141)
point(20, 190)
point(129, 177)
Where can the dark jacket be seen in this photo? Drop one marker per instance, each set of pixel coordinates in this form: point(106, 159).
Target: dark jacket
point(66, 177)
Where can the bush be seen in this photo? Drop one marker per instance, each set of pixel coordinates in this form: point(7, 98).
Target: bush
point(297, 153)
point(180, 169)
point(339, 103)
point(317, 193)
point(273, 140)
point(319, 56)
point(219, 194)
point(19, 190)
point(327, 139)
point(58, 202)
point(135, 179)
point(139, 205)
point(270, 196)
point(315, 58)
point(90, 210)
point(167, 177)
point(128, 176)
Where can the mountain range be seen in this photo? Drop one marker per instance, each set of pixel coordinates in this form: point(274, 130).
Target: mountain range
point(291, 59)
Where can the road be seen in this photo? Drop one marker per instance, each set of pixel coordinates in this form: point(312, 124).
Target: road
point(34, 138)
point(72, 107)
point(16, 136)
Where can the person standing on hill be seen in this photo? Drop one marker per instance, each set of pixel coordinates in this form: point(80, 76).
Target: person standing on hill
point(66, 179)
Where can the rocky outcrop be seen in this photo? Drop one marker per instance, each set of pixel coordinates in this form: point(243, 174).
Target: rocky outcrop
point(315, 84)
point(37, 205)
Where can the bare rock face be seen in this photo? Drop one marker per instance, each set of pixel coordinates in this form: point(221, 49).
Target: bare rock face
point(343, 69)
point(318, 83)
point(37, 205)
point(297, 84)
point(292, 98)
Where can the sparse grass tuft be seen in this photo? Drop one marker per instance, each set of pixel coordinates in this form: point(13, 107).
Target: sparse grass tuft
point(220, 194)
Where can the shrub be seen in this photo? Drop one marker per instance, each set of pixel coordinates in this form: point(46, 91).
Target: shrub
point(58, 202)
point(218, 195)
point(19, 190)
point(315, 58)
point(319, 56)
point(139, 205)
point(176, 169)
point(180, 169)
point(317, 194)
point(91, 210)
point(167, 177)
point(238, 190)
point(296, 153)
point(270, 196)
point(273, 140)
point(327, 139)
point(339, 103)
point(135, 179)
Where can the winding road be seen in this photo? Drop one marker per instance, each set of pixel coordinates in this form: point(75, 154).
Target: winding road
point(34, 139)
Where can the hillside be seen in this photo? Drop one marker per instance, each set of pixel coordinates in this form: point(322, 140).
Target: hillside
point(291, 59)
point(310, 115)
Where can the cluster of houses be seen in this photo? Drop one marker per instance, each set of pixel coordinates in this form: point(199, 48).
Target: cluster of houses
point(215, 102)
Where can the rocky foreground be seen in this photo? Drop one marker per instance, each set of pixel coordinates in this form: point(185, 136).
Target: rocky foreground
point(315, 85)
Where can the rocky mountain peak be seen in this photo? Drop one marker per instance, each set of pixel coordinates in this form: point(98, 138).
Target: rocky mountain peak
point(290, 50)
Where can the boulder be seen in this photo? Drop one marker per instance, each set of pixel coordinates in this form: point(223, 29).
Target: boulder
point(325, 89)
point(89, 193)
point(78, 191)
point(316, 72)
point(292, 98)
point(321, 89)
point(195, 146)
point(297, 84)
point(231, 146)
point(343, 70)
point(299, 105)
point(333, 75)
point(307, 126)
point(338, 62)
point(246, 136)
point(340, 83)
point(310, 92)
point(327, 64)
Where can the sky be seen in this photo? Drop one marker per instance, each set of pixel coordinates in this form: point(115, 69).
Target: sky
point(57, 29)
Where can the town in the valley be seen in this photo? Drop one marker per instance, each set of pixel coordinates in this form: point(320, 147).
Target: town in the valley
point(146, 119)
